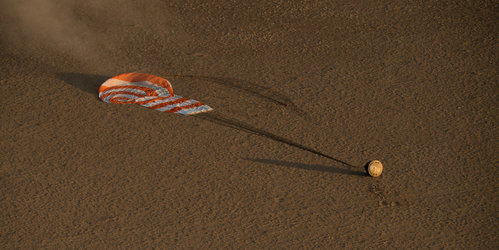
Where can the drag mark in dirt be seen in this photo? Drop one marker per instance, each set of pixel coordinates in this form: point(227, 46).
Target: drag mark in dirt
point(255, 89)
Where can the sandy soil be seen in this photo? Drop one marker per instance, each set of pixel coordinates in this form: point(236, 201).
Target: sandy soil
point(411, 84)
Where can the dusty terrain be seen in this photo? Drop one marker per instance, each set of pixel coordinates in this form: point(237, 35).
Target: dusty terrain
point(411, 84)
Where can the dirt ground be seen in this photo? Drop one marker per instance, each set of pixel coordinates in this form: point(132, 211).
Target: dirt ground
point(411, 83)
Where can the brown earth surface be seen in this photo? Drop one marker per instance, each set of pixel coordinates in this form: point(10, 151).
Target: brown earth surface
point(413, 84)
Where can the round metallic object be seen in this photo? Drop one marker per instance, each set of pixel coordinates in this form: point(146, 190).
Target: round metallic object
point(374, 168)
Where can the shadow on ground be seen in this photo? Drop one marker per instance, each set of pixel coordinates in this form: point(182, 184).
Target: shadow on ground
point(321, 168)
point(239, 125)
point(87, 82)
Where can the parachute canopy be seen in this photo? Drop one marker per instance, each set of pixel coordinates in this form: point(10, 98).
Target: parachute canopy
point(149, 91)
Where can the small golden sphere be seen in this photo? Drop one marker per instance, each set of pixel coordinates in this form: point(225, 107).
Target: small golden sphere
point(374, 168)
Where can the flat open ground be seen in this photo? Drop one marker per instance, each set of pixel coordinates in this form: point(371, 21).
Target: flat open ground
point(411, 84)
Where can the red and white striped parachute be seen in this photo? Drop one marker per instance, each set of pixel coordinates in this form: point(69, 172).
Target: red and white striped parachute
point(149, 91)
